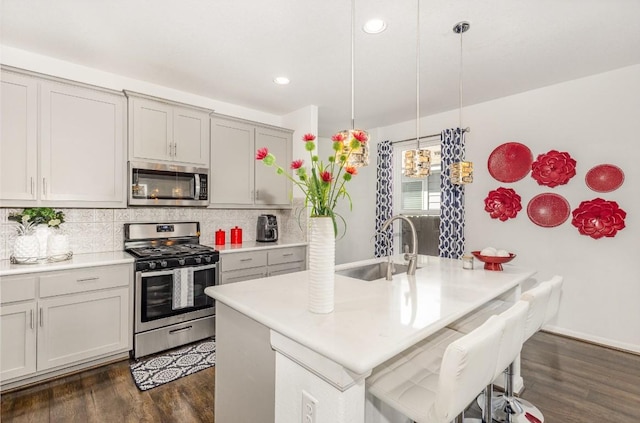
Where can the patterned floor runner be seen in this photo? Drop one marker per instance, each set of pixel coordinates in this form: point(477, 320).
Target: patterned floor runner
point(158, 370)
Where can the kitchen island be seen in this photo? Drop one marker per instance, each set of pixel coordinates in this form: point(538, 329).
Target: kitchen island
point(324, 359)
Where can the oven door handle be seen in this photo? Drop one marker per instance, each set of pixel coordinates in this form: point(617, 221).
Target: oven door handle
point(170, 271)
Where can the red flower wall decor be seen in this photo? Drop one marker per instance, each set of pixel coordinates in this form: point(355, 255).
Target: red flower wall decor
point(598, 218)
point(502, 203)
point(553, 168)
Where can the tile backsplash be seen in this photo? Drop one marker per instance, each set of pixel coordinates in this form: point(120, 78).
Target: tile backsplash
point(100, 230)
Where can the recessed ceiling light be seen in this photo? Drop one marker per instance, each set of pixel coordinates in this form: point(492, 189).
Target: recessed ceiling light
point(374, 26)
point(281, 80)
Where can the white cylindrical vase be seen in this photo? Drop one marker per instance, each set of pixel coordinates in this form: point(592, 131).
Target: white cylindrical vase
point(322, 254)
point(42, 232)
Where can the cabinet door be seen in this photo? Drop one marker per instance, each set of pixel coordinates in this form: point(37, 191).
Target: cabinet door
point(82, 146)
point(72, 328)
point(191, 136)
point(18, 340)
point(18, 140)
point(232, 162)
point(152, 134)
point(271, 188)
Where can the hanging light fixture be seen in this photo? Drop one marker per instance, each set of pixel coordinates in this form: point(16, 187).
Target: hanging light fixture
point(417, 162)
point(461, 172)
point(356, 146)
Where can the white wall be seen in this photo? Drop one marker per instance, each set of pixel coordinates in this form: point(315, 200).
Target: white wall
point(594, 119)
point(305, 121)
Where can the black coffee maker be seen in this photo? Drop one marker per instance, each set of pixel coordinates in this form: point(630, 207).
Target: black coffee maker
point(267, 228)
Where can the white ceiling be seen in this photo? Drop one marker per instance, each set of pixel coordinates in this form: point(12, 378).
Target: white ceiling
point(230, 50)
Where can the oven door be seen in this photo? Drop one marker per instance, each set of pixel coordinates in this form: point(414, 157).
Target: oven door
point(155, 305)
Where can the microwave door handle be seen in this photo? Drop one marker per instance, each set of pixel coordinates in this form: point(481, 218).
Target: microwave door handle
point(197, 191)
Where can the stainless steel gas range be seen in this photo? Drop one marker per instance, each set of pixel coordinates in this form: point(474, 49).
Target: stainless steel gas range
point(172, 270)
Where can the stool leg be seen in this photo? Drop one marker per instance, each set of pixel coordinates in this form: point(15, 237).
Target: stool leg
point(514, 409)
point(487, 411)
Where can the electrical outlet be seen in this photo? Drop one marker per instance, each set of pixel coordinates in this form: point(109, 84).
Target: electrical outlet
point(309, 406)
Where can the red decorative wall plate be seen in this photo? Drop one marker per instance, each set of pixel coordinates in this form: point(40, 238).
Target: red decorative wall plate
point(548, 210)
point(604, 178)
point(510, 162)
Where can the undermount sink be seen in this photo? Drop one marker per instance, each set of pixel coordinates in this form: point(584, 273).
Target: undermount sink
point(371, 272)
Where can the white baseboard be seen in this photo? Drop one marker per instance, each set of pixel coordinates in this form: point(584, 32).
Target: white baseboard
point(635, 349)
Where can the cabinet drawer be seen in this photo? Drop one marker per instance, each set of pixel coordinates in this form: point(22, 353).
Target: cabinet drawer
point(243, 275)
point(83, 280)
point(286, 255)
point(246, 260)
point(17, 288)
point(281, 269)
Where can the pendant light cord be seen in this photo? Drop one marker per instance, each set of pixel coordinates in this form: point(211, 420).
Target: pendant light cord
point(460, 88)
point(353, 36)
point(418, 76)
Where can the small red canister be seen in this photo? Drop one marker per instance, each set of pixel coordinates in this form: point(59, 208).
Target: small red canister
point(236, 235)
point(220, 237)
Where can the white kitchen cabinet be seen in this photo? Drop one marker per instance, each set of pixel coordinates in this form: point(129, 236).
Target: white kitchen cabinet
point(18, 138)
point(242, 266)
point(63, 144)
point(165, 131)
point(61, 319)
point(237, 179)
point(18, 336)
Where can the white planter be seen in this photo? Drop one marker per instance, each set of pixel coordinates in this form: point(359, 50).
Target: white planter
point(42, 233)
point(57, 244)
point(322, 253)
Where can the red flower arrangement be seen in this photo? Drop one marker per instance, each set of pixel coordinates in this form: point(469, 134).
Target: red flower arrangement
point(503, 203)
point(323, 184)
point(598, 218)
point(553, 168)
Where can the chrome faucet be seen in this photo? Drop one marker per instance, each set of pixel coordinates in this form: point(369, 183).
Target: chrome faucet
point(413, 255)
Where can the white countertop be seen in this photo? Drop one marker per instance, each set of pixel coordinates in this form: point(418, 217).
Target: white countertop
point(372, 321)
point(76, 261)
point(254, 246)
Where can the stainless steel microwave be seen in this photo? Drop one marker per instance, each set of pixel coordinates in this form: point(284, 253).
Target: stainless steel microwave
point(158, 184)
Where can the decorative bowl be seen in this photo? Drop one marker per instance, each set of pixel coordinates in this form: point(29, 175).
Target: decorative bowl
point(493, 262)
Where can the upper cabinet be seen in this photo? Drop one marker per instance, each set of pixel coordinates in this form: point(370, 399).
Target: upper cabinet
point(62, 144)
point(236, 178)
point(165, 131)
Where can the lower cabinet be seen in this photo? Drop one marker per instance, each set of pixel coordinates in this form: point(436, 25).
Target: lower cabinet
point(54, 320)
point(244, 266)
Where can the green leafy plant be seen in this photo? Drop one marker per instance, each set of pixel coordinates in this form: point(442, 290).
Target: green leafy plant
point(33, 216)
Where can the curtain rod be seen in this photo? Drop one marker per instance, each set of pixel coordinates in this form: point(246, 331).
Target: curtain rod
point(467, 129)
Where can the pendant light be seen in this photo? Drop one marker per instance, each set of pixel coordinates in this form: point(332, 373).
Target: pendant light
point(461, 172)
point(417, 162)
point(356, 145)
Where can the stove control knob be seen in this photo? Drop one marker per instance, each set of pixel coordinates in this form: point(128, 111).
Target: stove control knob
point(181, 262)
point(152, 265)
point(207, 259)
point(198, 260)
point(163, 263)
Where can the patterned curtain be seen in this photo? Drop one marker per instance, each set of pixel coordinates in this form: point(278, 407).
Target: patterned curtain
point(451, 243)
point(384, 199)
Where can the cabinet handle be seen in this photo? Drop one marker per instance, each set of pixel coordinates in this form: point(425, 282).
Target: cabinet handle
point(32, 185)
point(95, 278)
point(257, 194)
point(40, 314)
point(175, 149)
point(181, 330)
point(44, 186)
point(246, 259)
point(287, 254)
point(31, 318)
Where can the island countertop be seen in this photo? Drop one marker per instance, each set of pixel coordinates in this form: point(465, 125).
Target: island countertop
point(372, 321)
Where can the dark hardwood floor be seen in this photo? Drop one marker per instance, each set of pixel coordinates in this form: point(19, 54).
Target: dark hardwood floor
point(570, 381)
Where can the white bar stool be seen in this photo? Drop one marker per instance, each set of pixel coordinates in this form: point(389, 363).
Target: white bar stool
point(544, 301)
point(434, 381)
point(515, 319)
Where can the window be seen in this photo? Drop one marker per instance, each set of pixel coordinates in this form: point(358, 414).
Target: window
point(417, 195)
